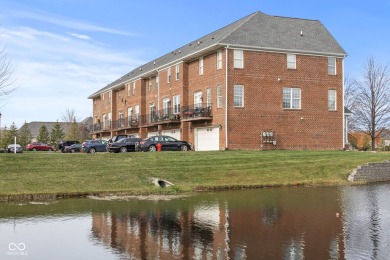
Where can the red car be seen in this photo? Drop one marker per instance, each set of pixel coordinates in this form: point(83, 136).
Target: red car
point(39, 147)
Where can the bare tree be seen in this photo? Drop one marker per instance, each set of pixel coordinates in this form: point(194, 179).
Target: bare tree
point(6, 79)
point(372, 107)
point(69, 116)
point(350, 92)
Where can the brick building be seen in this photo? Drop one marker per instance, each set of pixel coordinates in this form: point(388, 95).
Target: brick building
point(262, 82)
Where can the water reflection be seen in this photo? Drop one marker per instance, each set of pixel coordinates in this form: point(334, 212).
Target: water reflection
point(280, 223)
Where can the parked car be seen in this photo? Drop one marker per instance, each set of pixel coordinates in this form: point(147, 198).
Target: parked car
point(116, 138)
point(167, 144)
point(124, 145)
point(63, 144)
point(93, 146)
point(35, 146)
point(11, 148)
point(74, 148)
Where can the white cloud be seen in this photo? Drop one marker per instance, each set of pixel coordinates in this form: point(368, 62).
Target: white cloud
point(55, 72)
point(68, 23)
point(80, 36)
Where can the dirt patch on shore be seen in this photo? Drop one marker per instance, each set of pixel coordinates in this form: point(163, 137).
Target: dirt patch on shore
point(139, 197)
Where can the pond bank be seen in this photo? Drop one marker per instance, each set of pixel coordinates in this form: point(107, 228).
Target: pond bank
point(44, 176)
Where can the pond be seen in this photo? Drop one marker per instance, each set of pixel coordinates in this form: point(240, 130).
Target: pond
point(272, 223)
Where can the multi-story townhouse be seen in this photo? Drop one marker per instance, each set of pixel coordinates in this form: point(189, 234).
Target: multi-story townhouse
point(262, 82)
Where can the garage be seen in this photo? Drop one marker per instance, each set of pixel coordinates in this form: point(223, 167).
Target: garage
point(207, 139)
point(150, 134)
point(175, 133)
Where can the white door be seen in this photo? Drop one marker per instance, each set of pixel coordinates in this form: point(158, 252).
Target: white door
point(175, 133)
point(207, 139)
point(150, 134)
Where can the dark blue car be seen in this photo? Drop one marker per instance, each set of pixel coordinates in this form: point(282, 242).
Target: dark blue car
point(93, 146)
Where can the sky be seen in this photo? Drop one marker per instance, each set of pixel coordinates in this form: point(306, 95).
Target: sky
point(63, 51)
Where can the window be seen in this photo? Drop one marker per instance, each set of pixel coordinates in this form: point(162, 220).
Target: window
point(291, 61)
point(332, 100)
point(238, 96)
point(176, 104)
point(104, 121)
point(238, 59)
point(129, 115)
point(133, 88)
point(219, 96)
point(166, 107)
point(169, 75)
point(136, 112)
point(201, 66)
point(121, 122)
point(109, 97)
point(292, 98)
point(157, 79)
point(109, 119)
point(208, 97)
point(128, 90)
point(331, 66)
point(198, 99)
point(177, 72)
point(149, 85)
point(152, 113)
point(219, 59)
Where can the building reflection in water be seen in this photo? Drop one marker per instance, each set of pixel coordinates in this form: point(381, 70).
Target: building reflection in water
point(284, 227)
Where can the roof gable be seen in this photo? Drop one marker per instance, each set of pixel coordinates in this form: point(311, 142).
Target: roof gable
point(258, 31)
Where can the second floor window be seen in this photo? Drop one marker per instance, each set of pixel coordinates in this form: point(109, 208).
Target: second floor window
point(208, 97)
point(176, 104)
point(238, 96)
point(332, 100)
point(291, 98)
point(219, 96)
point(133, 88)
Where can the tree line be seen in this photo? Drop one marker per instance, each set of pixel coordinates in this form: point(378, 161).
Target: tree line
point(54, 137)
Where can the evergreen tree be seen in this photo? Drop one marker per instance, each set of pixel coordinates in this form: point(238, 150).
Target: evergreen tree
point(57, 134)
point(74, 131)
point(43, 135)
point(24, 135)
point(9, 135)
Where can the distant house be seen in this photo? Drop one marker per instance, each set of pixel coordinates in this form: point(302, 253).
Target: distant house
point(36, 125)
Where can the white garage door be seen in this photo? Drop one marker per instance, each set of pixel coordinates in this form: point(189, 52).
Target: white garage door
point(207, 139)
point(175, 133)
point(150, 134)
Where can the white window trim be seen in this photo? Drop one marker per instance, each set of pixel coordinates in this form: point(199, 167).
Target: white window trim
point(242, 96)
point(169, 75)
point(330, 108)
point(176, 104)
point(291, 61)
point(177, 68)
point(332, 67)
point(291, 98)
point(219, 97)
point(201, 66)
point(238, 59)
point(219, 59)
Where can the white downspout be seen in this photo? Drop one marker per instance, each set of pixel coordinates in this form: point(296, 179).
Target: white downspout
point(226, 99)
point(112, 115)
point(345, 135)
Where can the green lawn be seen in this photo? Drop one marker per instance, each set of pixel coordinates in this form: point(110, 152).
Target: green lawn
point(57, 173)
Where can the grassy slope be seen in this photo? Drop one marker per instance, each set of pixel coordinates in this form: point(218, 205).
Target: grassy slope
point(57, 173)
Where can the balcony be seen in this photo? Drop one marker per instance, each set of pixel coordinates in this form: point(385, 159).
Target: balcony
point(197, 112)
point(160, 117)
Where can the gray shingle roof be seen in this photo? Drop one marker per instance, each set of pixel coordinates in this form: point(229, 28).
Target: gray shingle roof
point(257, 31)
